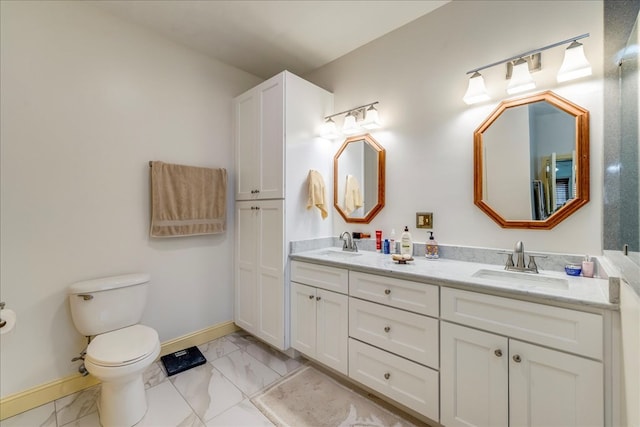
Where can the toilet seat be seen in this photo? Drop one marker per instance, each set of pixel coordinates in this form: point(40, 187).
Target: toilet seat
point(123, 346)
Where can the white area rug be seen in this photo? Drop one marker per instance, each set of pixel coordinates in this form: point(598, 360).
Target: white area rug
point(313, 399)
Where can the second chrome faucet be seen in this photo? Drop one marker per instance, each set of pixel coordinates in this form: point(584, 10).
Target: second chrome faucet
point(348, 243)
point(519, 265)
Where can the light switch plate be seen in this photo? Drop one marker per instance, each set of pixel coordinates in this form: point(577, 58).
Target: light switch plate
point(424, 219)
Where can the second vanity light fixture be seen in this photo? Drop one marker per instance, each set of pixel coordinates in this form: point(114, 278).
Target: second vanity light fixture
point(355, 120)
point(574, 65)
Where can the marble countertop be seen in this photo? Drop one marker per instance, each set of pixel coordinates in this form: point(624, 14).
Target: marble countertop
point(576, 291)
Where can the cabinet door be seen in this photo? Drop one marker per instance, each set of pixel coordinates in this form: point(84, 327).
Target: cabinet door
point(270, 271)
point(303, 318)
point(245, 292)
point(551, 388)
point(247, 140)
point(333, 329)
point(473, 377)
point(259, 140)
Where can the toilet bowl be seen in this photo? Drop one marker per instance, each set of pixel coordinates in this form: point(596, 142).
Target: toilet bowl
point(118, 359)
point(109, 310)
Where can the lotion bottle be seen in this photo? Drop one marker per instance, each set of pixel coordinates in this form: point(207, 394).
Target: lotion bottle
point(406, 245)
point(432, 248)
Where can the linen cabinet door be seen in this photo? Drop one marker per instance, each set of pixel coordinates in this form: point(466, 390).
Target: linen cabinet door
point(245, 290)
point(551, 388)
point(270, 271)
point(332, 330)
point(473, 377)
point(247, 144)
point(303, 318)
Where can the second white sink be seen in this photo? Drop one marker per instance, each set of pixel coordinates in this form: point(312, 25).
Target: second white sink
point(337, 253)
point(529, 279)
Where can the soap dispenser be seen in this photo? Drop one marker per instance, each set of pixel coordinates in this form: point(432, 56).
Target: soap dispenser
point(406, 245)
point(432, 248)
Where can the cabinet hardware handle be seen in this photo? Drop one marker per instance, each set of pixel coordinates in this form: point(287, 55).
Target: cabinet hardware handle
point(86, 297)
point(317, 298)
point(516, 358)
point(387, 328)
point(387, 291)
point(498, 353)
point(310, 296)
point(387, 376)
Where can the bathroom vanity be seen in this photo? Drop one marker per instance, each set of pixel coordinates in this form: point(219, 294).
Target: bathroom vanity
point(460, 343)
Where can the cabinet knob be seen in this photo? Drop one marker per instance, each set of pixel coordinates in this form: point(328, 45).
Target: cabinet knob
point(498, 353)
point(310, 296)
point(387, 291)
point(516, 358)
point(387, 376)
point(387, 328)
point(317, 298)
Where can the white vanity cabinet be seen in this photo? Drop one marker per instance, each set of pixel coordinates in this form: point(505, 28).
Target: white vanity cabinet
point(492, 377)
point(319, 313)
point(274, 121)
point(393, 344)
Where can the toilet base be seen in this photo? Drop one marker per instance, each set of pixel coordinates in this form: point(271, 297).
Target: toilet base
point(122, 403)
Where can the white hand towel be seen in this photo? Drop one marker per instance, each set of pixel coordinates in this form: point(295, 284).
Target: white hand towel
point(317, 193)
point(352, 195)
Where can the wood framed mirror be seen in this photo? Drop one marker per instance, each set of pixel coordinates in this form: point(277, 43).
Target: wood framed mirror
point(358, 179)
point(531, 161)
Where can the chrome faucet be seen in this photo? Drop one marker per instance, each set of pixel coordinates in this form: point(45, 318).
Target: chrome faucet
point(349, 244)
point(518, 251)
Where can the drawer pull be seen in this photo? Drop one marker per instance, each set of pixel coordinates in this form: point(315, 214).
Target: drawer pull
point(387, 291)
point(387, 328)
point(310, 296)
point(516, 358)
point(317, 298)
point(387, 376)
point(498, 353)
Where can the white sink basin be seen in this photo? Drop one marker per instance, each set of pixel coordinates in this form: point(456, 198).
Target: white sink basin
point(338, 253)
point(528, 279)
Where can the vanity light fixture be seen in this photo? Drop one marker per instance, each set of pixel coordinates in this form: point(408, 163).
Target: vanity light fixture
point(477, 91)
point(370, 119)
point(575, 65)
point(521, 79)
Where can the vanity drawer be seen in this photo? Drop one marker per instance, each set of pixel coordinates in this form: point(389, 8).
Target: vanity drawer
point(406, 334)
point(406, 382)
point(413, 296)
point(561, 328)
point(320, 276)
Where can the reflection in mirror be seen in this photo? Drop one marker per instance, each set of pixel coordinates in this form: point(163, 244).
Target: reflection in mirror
point(358, 182)
point(531, 161)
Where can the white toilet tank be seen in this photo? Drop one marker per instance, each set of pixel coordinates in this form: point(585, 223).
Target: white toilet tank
point(109, 303)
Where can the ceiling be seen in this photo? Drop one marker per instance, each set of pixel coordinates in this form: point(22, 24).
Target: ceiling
point(264, 37)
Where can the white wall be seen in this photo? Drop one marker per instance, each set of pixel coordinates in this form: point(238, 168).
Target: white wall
point(87, 101)
point(418, 74)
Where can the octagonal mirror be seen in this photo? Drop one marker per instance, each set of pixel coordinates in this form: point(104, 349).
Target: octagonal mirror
point(531, 161)
point(358, 179)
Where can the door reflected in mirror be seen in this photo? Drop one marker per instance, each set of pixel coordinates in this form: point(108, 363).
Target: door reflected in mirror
point(358, 179)
point(531, 161)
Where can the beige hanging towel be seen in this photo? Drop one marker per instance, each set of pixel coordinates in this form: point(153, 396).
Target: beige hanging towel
point(187, 200)
point(317, 193)
point(352, 195)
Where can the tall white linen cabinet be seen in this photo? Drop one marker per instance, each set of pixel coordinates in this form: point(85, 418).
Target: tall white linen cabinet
point(276, 144)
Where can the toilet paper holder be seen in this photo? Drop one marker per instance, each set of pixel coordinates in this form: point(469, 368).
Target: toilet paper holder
point(2, 322)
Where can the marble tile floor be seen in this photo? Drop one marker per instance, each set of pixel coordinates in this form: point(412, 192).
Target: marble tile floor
point(214, 394)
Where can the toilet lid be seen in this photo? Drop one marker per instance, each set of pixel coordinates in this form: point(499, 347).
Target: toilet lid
point(123, 346)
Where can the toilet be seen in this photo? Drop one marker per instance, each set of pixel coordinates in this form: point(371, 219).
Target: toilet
point(109, 310)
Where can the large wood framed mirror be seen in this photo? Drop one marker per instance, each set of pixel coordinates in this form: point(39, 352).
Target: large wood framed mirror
point(531, 161)
point(358, 179)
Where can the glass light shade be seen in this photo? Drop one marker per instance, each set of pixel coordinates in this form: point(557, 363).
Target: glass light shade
point(477, 91)
point(329, 130)
point(350, 126)
point(371, 119)
point(521, 79)
point(575, 64)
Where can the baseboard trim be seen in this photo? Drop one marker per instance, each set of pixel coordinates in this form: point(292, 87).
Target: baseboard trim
point(32, 398)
